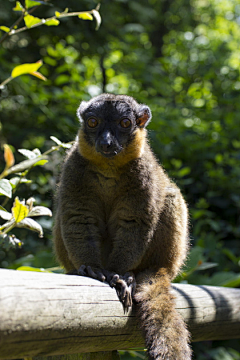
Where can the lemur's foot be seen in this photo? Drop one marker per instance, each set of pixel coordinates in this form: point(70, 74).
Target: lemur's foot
point(125, 286)
point(93, 273)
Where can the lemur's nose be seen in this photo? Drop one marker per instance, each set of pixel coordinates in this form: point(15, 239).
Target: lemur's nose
point(106, 141)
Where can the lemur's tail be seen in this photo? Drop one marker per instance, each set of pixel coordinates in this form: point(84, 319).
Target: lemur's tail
point(165, 332)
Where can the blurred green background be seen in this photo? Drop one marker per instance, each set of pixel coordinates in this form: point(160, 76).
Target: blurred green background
point(180, 57)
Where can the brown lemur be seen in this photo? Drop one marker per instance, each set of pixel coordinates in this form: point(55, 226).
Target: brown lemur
point(120, 218)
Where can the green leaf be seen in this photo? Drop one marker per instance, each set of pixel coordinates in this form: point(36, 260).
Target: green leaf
point(4, 28)
point(85, 16)
point(234, 282)
point(97, 18)
point(18, 7)
point(184, 171)
point(40, 163)
point(5, 215)
point(222, 278)
point(31, 224)
point(52, 22)
point(19, 210)
point(8, 225)
point(30, 268)
point(17, 180)
point(57, 13)
point(5, 188)
point(26, 69)
point(27, 164)
point(206, 265)
point(40, 211)
point(32, 20)
point(30, 3)
point(2, 208)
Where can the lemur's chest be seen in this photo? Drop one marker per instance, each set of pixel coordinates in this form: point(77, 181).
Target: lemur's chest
point(106, 184)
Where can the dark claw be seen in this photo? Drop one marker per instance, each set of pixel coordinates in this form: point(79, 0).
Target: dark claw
point(113, 281)
point(88, 271)
point(91, 273)
point(125, 287)
point(100, 276)
point(82, 270)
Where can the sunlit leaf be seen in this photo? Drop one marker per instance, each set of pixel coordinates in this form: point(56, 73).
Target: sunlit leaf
point(40, 211)
point(67, 145)
point(37, 152)
point(31, 3)
point(13, 240)
point(8, 225)
point(26, 68)
point(38, 75)
point(52, 22)
point(40, 163)
point(5, 28)
point(58, 142)
point(30, 268)
point(17, 180)
point(5, 188)
point(97, 18)
point(19, 210)
point(8, 156)
point(85, 16)
point(31, 225)
point(18, 7)
point(31, 20)
point(27, 164)
point(5, 215)
point(30, 202)
point(27, 153)
point(57, 13)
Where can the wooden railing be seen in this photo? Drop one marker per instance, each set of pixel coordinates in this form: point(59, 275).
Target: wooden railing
point(43, 315)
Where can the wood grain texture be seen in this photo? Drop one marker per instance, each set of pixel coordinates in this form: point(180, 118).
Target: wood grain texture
point(50, 314)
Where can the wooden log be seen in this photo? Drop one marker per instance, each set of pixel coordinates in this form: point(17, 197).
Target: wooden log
point(105, 355)
point(52, 314)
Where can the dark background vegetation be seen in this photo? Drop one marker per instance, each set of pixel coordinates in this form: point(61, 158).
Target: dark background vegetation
point(182, 58)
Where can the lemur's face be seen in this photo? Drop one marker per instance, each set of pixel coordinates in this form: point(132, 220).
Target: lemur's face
point(110, 122)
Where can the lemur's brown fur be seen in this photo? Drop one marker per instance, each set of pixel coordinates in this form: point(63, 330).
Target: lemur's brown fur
point(119, 217)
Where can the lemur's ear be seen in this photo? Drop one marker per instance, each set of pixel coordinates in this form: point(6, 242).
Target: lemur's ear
point(81, 109)
point(144, 116)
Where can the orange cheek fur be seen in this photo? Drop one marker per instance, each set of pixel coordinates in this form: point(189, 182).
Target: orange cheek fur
point(133, 151)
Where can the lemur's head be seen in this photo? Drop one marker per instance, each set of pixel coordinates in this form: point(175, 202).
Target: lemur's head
point(110, 123)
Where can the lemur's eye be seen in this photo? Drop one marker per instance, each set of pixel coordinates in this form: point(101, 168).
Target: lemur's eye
point(92, 123)
point(125, 123)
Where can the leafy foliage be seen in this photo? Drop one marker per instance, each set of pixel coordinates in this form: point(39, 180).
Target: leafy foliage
point(21, 212)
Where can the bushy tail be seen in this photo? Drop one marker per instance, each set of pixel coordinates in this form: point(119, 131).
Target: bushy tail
point(165, 332)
